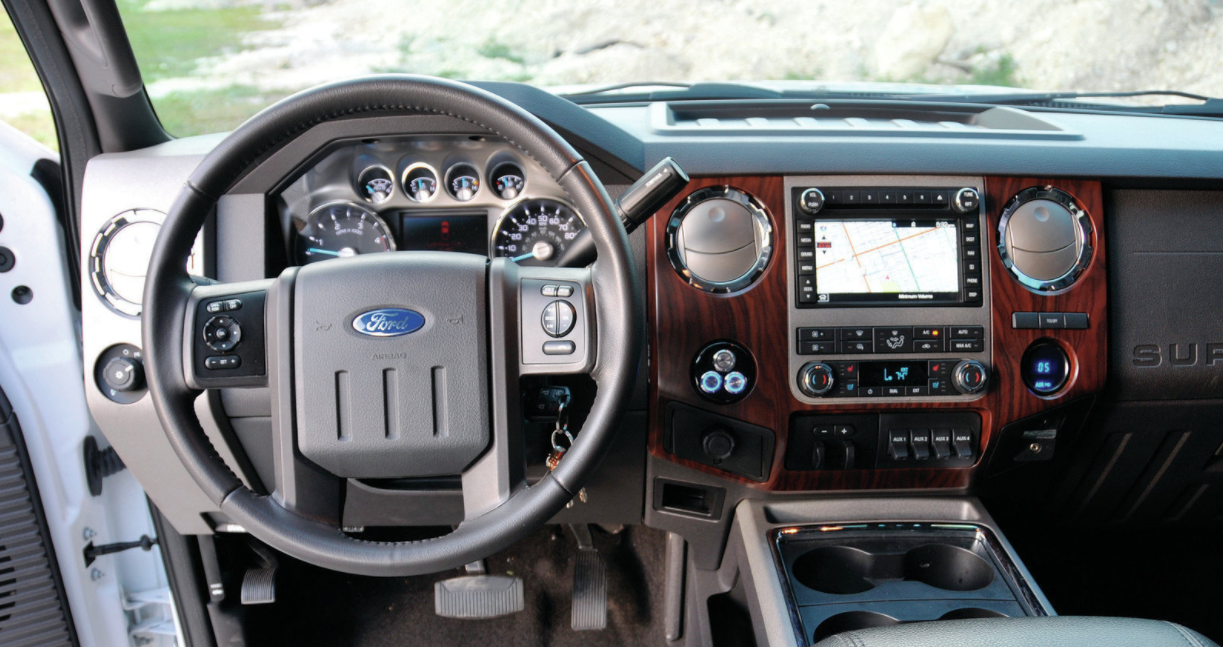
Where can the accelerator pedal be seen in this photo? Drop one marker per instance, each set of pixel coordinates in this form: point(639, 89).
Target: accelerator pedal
point(589, 584)
point(478, 595)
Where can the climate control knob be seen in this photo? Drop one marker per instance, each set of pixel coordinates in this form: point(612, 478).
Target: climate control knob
point(969, 377)
point(815, 379)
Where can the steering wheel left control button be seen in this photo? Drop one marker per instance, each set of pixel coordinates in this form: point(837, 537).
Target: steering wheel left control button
point(558, 318)
point(559, 348)
point(222, 333)
point(221, 362)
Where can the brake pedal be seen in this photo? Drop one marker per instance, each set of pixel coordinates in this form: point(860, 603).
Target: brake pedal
point(474, 597)
point(589, 584)
point(259, 586)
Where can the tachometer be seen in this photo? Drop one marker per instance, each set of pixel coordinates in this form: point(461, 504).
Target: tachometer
point(536, 232)
point(340, 230)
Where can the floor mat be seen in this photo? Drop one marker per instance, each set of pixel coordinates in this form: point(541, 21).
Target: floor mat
point(319, 607)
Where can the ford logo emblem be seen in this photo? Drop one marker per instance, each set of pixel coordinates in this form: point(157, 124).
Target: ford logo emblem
point(388, 322)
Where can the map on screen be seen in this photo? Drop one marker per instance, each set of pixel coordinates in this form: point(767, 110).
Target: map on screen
point(886, 257)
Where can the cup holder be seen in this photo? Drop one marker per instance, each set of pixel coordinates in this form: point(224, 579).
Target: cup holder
point(971, 613)
point(843, 570)
point(948, 567)
point(851, 621)
point(839, 570)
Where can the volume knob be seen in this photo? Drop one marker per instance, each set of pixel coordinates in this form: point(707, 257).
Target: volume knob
point(815, 379)
point(969, 377)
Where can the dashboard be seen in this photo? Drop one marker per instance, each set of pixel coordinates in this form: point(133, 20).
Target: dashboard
point(828, 310)
point(447, 193)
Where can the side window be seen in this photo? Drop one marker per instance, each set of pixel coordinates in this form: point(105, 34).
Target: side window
point(23, 102)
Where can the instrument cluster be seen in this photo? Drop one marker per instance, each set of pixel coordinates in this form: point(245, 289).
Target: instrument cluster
point(453, 193)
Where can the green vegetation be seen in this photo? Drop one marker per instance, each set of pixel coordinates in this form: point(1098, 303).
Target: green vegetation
point(210, 111)
point(1000, 73)
point(494, 49)
point(17, 75)
point(169, 43)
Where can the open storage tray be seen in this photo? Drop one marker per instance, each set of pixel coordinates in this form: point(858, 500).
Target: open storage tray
point(844, 577)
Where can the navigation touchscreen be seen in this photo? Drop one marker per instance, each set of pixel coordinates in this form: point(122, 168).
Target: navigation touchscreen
point(897, 260)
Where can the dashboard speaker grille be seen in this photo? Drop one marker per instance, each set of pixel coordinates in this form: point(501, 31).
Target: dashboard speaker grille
point(32, 611)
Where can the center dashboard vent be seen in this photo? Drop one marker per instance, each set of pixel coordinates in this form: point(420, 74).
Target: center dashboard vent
point(852, 118)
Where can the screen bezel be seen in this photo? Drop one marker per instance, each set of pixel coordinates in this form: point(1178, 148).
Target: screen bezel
point(891, 300)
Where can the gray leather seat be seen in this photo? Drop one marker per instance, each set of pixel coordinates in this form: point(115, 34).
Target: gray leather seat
point(1061, 631)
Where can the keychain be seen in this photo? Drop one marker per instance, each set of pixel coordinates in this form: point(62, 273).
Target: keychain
point(562, 441)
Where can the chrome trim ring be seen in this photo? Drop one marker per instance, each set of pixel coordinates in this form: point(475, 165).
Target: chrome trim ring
point(403, 182)
point(764, 230)
point(1067, 280)
point(97, 252)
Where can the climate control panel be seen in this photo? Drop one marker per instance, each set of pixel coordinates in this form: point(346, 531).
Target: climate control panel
point(892, 378)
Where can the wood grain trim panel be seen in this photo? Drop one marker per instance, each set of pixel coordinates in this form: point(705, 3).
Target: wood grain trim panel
point(683, 319)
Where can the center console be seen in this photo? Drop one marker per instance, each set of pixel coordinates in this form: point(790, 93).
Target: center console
point(869, 332)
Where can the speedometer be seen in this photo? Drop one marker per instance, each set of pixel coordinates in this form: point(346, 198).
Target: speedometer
point(536, 232)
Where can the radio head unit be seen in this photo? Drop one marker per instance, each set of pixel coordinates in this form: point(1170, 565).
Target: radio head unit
point(884, 247)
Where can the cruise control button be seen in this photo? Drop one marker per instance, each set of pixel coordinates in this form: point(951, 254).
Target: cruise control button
point(559, 348)
point(548, 290)
point(564, 290)
point(233, 304)
point(215, 307)
point(558, 318)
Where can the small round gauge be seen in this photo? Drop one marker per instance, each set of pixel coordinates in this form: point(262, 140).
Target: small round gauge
point(340, 230)
point(463, 182)
point(376, 184)
point(420, 182)
point(508, 180)
point(536, 232)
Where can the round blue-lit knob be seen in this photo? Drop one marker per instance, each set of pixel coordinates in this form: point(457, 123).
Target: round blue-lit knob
point(736, 382)
point(711, 382)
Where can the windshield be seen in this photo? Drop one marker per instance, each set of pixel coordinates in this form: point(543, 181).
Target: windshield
point(210, 64)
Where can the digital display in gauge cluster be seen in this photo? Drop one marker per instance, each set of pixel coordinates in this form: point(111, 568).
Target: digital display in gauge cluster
point(449, 233)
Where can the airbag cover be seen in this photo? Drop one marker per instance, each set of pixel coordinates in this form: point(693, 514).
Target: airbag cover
point(374, 401)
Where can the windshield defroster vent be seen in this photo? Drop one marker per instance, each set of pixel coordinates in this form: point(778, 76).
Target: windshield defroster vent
point(850, 118)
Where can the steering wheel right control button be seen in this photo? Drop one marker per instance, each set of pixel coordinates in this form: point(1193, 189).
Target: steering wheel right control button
point(559, 348)
point(119, 374)
point(558, 318)
point(222, 333)
point(723, 372)
point(222, 362)
point(1045, 367)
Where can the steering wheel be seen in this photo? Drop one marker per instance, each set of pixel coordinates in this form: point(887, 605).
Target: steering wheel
point(391, 366)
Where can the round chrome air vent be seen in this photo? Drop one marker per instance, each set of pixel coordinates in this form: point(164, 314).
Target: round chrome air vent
point(719, 239)
point(1044, 238)
point(119, 258)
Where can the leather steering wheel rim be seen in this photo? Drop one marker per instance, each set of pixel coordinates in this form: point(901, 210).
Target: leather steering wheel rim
point(618, 321)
